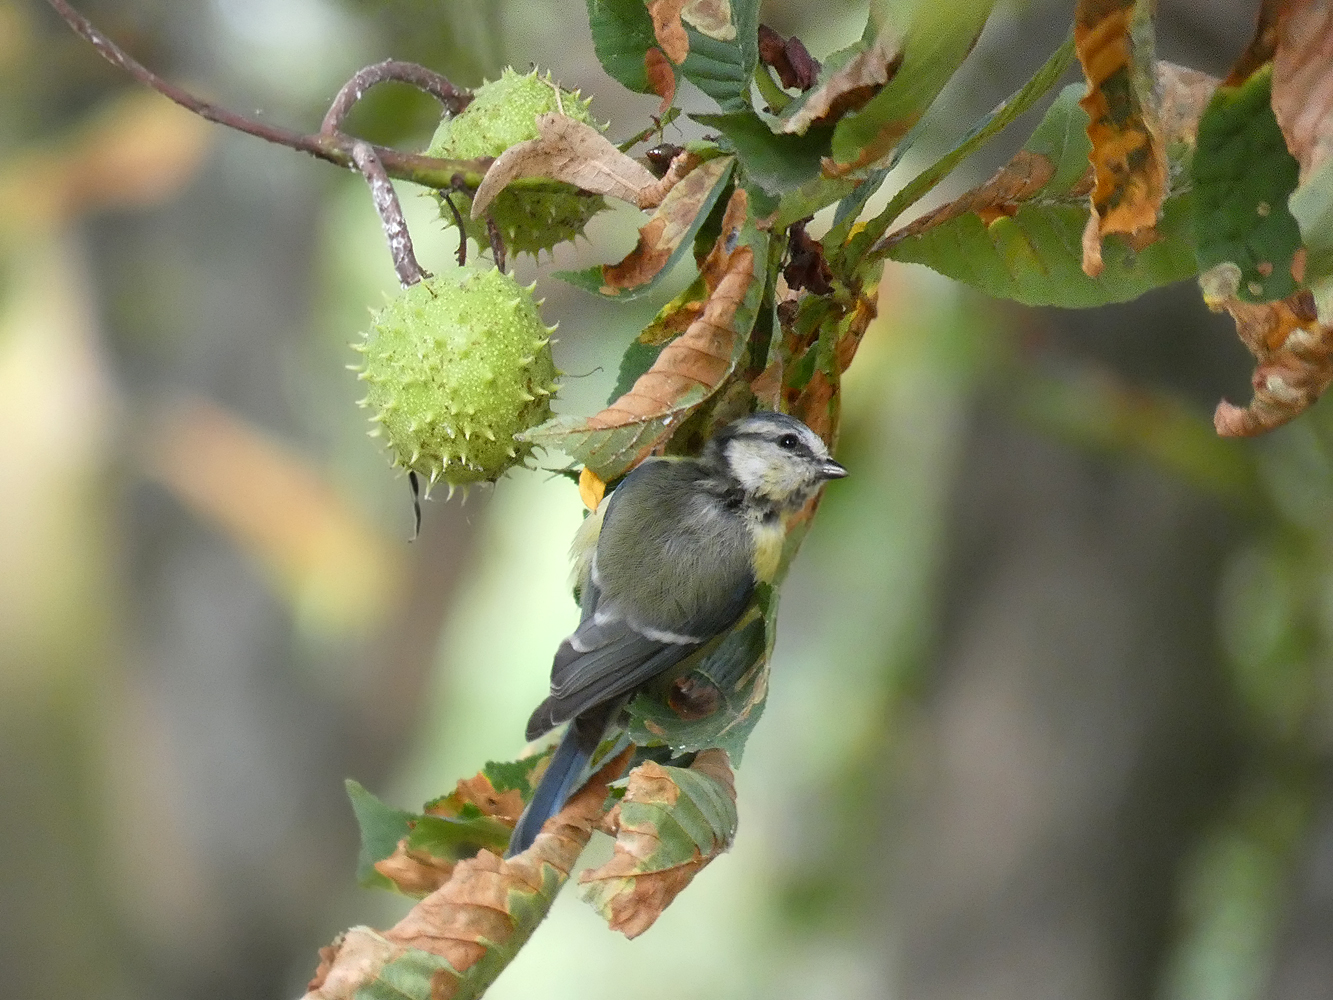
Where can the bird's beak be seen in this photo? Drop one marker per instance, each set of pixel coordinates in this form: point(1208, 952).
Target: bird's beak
point(832, 470)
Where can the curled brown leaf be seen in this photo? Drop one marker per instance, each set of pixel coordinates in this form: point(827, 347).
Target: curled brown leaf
point(570, 151)
point(1294, 353)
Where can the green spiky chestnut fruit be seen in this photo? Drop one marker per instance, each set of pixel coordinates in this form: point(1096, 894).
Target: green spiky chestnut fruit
point(455, 367)
point(503, 113)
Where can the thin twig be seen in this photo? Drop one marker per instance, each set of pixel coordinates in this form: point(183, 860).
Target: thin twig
point(336, 148)
point(452, 98)
point(461, 252)
point(497, 243)
point(391, 214)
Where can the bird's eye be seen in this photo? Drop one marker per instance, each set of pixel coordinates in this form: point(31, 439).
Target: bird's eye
point(789, 442)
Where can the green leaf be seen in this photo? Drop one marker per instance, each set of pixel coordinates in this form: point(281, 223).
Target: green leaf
point(723, 69)
point(920, 185)
point(381, 828)
point(935, 37)
point(636, 360)
point(682, 200)
point(450, 838)
point(622, 34)
point(1029, 247)
point(1243, 175)
point(777, 163)
point(507, 776)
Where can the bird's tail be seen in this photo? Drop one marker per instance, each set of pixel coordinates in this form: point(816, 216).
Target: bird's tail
point(555, 788)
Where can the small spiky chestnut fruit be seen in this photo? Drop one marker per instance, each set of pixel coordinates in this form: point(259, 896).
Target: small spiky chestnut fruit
point(455, 367)
point(503, 113)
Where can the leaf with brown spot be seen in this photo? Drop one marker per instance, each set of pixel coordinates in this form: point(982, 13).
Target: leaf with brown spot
point(688, 370)
point(661, 77)
point(1293, 349)
point(1113, 40)
point(411, 850)
point(665, 237)
point(569, 151)
point(453, 943)
point(671, 823)
point(710, 17)
point(667, 28)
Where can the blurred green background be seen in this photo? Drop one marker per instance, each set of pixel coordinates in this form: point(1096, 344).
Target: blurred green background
point(1050, 704)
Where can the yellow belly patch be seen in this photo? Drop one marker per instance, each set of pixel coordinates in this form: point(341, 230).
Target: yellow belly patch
point(768, 539)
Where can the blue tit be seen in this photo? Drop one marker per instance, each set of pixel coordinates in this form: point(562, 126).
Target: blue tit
point(669, 561)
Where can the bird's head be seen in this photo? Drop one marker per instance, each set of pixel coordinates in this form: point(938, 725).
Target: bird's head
point(775, 460)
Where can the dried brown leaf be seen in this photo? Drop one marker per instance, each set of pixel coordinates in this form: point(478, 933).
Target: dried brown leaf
point(1303, 81)
point(640, 890)
point(661, 77)
point(668, 30)
point(415, 873)
point(850, 88)
point(1294, 353)
point(702, 354)
point(474, 911)
point(665, 230)
point(570, 151)
point(1128, 156)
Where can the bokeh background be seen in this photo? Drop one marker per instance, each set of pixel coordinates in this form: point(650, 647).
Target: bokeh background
point(1050, 712)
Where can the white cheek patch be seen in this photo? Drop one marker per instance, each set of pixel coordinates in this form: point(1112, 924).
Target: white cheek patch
point(749, 466)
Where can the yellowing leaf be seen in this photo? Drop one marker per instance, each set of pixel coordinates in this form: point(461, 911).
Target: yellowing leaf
point(1113, 42)
point(570, 151)
point(591, 489)
point(710, 17)
point(671, 823)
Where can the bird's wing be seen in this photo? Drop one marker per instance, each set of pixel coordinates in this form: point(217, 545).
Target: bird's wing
point(614, 660)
